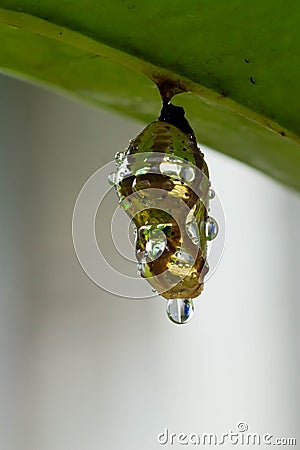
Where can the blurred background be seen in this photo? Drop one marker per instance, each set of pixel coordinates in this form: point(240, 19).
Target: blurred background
point(82, 369)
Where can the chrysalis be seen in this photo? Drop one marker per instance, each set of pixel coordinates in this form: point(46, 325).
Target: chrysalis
point(163, 185)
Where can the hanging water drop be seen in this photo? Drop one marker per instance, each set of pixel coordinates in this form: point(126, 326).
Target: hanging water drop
point(180, 310)
point(211, 228)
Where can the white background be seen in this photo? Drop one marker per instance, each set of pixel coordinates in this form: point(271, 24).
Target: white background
point(82, 369)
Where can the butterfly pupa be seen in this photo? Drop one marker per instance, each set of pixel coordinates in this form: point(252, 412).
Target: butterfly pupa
point(162, 181)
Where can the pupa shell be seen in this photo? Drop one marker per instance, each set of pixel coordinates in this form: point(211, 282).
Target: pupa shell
point(164, 182)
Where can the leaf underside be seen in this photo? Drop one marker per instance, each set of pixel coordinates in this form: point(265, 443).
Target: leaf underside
point(239, 63)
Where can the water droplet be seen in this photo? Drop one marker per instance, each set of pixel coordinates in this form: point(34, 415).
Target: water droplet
point(211, 228)
point(112, 177)
point(193, 231)
point(211, 194)
point(184, 259)
point(169, 168)
point(119, 158)
point(187, 173)
point(180, 310)
point(156, 244)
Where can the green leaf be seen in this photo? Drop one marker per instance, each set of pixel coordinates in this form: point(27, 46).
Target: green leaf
point(239, 61)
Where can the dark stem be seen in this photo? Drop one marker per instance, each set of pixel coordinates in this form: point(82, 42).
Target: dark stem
point(174, 115)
